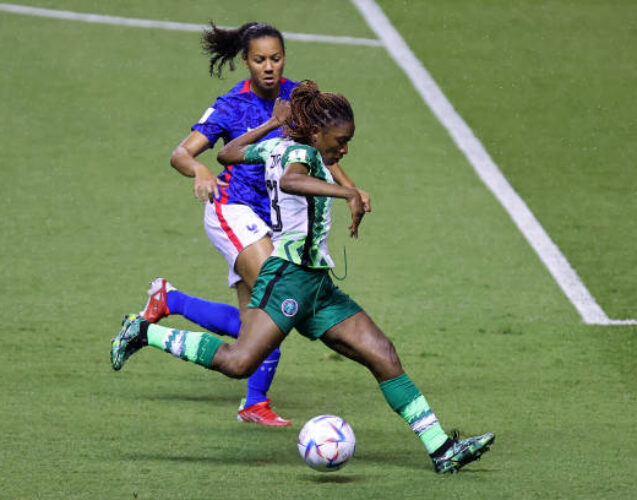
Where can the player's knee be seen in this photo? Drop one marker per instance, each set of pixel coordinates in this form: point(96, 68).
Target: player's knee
point(391, 353)
point(385, 362)
point(383, 348)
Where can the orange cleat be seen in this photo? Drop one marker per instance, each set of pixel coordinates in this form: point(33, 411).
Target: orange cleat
point(156, 307)
point(261, 414)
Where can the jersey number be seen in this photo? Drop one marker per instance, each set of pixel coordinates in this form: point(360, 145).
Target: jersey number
point(272, 186)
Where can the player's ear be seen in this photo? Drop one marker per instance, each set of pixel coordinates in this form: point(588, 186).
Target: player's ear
point(315, 135)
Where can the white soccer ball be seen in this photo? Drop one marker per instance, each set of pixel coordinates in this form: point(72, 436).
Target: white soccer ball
point(326, 443)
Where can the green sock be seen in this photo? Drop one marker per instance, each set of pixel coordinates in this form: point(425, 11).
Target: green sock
point(406, 400)
point(197, 347)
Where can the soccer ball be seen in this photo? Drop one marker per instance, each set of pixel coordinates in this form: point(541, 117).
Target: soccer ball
point(326, 443)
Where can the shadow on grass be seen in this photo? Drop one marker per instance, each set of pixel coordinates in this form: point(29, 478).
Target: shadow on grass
point(393, 460)
point(257, 460)
point(332, 478)
point(196, 398)
point(221, 459)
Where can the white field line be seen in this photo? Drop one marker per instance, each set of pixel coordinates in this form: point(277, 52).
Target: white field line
point(486, 168)
point(167, 25)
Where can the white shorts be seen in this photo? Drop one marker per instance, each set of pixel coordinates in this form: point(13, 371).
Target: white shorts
point(231, 228)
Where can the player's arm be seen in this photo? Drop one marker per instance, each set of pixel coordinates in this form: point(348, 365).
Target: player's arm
point(295, 180)
point(184, 160)
point(343, 179)
point(234, 151)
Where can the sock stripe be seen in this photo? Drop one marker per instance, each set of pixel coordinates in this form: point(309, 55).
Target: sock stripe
point(406, 400)
point(417, 408)
point(175, 343)
point(197, 347)
point(423, 424)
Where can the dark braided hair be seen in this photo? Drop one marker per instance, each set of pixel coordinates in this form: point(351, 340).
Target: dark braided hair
point(312, 109)
point(223, 45)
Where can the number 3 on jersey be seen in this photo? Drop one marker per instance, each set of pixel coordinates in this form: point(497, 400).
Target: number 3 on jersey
point(273, 188)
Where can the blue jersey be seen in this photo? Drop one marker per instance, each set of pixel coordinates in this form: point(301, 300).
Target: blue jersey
point(232, 115)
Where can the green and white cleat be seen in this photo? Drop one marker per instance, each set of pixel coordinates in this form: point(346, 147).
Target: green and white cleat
point(128, 341)
point(463, 452)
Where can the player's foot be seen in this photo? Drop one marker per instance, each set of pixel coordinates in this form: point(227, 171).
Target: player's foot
point(262, 414)
point(156, 307)
point(128, 341)
point(462, 452)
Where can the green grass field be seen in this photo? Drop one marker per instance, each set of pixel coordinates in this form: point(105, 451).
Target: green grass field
point(91, 211)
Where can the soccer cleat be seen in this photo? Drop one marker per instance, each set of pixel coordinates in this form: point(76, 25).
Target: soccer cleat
point(128, 341)
point(462, 452)
point(262, 414)
point(156, 306)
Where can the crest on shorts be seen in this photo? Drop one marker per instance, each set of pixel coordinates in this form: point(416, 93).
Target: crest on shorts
point(289, 307)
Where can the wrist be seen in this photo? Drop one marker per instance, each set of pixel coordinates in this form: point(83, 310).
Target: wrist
point(352, 192)
point(273, 123)
point(199, 169)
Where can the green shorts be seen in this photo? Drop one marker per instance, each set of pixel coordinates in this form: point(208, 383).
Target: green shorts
point(300, 297)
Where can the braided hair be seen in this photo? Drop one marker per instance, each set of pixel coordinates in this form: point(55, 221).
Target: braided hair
point(223, 45)
point(312, 109)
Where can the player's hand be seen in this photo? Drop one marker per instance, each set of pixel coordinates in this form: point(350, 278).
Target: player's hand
point(367, 203)
point(357, 209)
point(206, 185)
point(281, 111)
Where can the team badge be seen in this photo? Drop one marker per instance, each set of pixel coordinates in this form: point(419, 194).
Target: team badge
point(289, 307)
point(297, 156)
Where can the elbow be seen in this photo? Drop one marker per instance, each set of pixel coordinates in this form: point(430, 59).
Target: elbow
point(222, 157)
point(285, 184)
point(225, 155)
point(175, 157)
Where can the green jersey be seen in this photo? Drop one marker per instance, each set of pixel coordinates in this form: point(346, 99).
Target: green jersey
point(300, 224)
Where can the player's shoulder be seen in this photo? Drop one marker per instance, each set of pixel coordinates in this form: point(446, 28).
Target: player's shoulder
point(238, 89)
point(260, 151)
point(237, 95)
point(272, 143)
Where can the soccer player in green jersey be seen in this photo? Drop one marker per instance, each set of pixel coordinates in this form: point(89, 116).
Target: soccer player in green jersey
point(294, 289)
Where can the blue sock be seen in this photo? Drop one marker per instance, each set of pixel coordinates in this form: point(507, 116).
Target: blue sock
point(222, 319)
point(260, 381)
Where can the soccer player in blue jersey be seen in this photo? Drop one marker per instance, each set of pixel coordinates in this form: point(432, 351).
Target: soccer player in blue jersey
point(294, 288)
point(237, 209)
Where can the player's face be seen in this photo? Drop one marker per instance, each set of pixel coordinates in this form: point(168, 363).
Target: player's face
point(332, 142)
point(265, 61)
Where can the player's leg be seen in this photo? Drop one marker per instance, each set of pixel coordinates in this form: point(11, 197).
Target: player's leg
point(249, 261)
point(225, 320)
point(359, 338)
point(255, 407)
point(258, 337)
point(243, 240)
point(165, 300)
